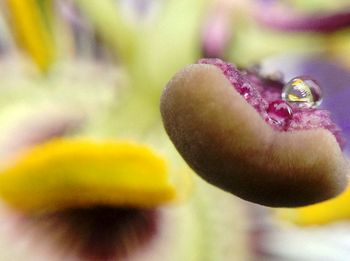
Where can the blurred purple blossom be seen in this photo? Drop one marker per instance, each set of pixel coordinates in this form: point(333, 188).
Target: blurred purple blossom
point(284, 17)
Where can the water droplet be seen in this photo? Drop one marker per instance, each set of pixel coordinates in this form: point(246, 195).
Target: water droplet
point(279, 112)
point(303, 92)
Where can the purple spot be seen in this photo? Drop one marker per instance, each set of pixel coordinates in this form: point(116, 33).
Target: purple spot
point(280, 112)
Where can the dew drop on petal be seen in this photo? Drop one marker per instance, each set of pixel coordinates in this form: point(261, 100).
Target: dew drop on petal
point(303, 92)
point(279, 112)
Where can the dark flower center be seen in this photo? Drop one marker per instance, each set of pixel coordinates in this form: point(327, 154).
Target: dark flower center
point(98, 233)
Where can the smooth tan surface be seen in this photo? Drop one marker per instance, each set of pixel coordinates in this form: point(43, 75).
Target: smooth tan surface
point(227, 143)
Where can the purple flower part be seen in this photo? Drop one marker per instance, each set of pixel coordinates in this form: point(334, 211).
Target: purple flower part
point(71, 14)
point(242, 85)
point(314, 118)
point(263, 94)
point(280, 112)
point(141, 8)
point(335, 82)
point(287, 19)
point(216, 35)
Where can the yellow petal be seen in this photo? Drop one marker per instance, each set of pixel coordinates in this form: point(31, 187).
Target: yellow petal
point(31, 31)
point(322, 213)
point(65, 173)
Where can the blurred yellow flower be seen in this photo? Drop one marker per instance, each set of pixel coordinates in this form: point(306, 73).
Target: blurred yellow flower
point(329, 211)
point(64, 173)
point(32, 31)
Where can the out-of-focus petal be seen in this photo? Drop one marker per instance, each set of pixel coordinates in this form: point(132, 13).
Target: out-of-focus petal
point(65, 173)
point(217, 30)
point(31, 31)
point(330, 211)
point(285, 18)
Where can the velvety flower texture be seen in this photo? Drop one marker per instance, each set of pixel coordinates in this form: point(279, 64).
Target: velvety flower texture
point(333, 78)
point(326, 224)
point(247, 141)
point(265, 93)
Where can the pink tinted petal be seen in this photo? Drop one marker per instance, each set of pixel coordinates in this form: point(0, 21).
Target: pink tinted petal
point(334, 80)
point(287, 19)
